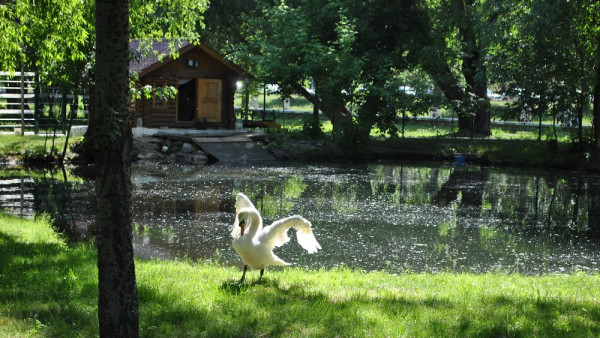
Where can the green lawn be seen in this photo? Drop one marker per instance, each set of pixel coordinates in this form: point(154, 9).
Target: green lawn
point(48, 288)
point(34, 147)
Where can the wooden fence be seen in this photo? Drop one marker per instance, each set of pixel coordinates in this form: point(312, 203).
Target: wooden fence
point(23, 106)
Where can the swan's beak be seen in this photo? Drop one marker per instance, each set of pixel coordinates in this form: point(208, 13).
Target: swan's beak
point(243, 226)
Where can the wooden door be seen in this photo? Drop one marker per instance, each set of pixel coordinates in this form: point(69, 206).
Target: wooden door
point(208, 99)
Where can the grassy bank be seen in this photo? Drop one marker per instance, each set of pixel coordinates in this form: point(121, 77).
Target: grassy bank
point(423, 141)
point(434, 141)
point(500, 152)
point(48, 288)
point(34, 148)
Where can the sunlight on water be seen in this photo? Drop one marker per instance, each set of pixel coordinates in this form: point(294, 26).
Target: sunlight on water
point(394, 217)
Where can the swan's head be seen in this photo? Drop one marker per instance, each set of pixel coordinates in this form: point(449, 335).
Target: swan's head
point(242, 225)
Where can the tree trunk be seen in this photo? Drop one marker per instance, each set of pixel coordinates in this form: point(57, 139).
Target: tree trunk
point(112, 143)
point(335, 115)
point(595, 158)
point(474, 70)
point(593, 212)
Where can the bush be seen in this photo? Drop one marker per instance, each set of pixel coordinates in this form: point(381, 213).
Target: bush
point(40, 153)
point(311, 126)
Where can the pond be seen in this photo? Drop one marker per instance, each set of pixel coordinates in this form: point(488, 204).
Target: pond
point(396, 217)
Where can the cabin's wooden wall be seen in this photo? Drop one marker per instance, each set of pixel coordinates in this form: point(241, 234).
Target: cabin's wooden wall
point(171, 72)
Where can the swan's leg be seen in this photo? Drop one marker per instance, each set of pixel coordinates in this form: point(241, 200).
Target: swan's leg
point(244, 274)
point(261, 273)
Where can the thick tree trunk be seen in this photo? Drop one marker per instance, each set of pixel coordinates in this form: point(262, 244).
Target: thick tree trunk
point(335, 115)
point(594, 213)
point(470, 104)
point(595, 158)
point(474, 70)
point(112, 141)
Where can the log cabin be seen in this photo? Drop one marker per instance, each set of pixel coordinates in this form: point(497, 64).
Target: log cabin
point(204, 80)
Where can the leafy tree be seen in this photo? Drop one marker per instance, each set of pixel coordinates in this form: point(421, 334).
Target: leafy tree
point(95, 40)
point(533, 58)
point(111, 138)
point(35, 35)
point(56, 39)
point(545, 53)
point(385, 43)
point(117, 297)
point(349, 51)
point(455, 53)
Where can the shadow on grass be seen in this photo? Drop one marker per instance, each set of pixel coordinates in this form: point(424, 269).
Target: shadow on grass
point(57, 287)
point(273, 308)
point(49, 284)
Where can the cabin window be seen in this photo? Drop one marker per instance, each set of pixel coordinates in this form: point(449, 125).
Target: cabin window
point(157, 100)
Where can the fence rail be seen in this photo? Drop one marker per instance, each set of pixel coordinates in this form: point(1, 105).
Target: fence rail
point(23, 106)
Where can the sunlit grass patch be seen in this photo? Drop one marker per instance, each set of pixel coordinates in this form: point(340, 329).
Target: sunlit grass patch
point(50, 289)
point(17, 145)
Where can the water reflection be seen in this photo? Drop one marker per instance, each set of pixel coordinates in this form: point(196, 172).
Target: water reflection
point(394, 217)
point(65, 198)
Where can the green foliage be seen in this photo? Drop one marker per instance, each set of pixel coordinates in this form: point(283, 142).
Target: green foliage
point(337, 46)
point(169, 19)
point(542, 52)
point(311, 126)
point(58, 50)
point(41, 154)
point(56, 39)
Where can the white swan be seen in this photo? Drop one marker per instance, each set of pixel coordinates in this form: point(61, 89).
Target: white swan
point(255, 246)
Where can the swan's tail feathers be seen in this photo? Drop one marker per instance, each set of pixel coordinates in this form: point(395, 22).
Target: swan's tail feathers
point(278, 261)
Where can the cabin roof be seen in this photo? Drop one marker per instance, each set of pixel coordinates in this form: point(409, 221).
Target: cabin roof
point(152, 56)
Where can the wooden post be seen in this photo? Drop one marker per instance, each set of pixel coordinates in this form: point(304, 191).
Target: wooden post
point(22, 99)
point(246, 107)
point(36, 107)
point(264, 102)
point(63, 113)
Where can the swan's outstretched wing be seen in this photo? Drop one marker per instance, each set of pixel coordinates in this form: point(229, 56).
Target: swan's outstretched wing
point(276, 234)
point(241, 202)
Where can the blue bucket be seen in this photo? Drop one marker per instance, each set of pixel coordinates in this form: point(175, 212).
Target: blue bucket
point(460, 159)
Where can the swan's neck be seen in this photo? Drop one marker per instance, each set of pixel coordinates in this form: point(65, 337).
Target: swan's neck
point(253, 223)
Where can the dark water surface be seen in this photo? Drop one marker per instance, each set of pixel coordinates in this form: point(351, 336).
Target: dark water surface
point(412, 217)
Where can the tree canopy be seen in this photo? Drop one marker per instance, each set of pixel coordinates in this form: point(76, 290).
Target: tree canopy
point(356, 54)
point(56, 38)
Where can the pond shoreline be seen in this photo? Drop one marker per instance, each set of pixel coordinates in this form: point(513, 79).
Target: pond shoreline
point(483, 152)
point(150, 147)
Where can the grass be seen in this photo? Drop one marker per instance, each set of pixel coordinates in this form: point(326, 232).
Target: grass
point(48, 288)
point(431, 141)
point(300, 103)
point(422, 129)
point(33, 147)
